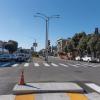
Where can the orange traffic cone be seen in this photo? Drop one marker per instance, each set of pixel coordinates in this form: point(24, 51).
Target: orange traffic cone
point(21, 82)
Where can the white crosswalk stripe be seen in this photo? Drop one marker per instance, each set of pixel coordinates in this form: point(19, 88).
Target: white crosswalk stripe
point(46, 64)
point(15, 65)
point(93, 86)
point(7, 97)
point(72, 65)
point(63, 65)
point(26, 64)
point(36, 65)
point(97, 65)
point(78, 64)
point(89, 65)
point(53, 64)
point(6, 64)
point(82, 65)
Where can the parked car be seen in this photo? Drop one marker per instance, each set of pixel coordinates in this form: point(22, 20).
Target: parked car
point(13, 57)
point(22, 57)
point(5, 57)
point(95, 60)
point(87, 58)
point(78, 58)
point(90, 59)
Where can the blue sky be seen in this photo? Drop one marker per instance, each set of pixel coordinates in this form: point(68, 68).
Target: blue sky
point(17, 21)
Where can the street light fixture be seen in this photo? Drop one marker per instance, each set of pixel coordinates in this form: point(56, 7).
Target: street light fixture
point(46, 18)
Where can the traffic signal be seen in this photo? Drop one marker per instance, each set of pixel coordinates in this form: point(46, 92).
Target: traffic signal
point(48, 42)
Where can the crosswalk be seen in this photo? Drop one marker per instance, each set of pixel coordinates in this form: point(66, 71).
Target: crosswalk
point(93, 86)
point(26, 64)
point(63, 65)
point(75, 92)
point(36, 64)
point(52, 64)
point(46, 64)
point(14, 65)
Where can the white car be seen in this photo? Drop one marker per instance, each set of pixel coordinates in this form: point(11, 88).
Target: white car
point(87, 58)
point(78, 58)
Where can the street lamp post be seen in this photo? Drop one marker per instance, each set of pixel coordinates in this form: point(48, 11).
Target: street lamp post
point(46, 41)
point(46, 18)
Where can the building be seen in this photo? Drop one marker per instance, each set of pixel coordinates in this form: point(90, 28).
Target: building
point(3, 51)
point(1, 44)
point(61, 43)
point(2, 48)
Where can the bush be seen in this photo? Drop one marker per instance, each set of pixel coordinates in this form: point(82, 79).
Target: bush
point(35, 55)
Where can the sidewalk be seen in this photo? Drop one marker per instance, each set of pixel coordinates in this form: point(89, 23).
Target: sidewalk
point(49, 87)
point(37, 59)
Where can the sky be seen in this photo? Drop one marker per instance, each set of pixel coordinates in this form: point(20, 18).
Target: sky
point(17, 21)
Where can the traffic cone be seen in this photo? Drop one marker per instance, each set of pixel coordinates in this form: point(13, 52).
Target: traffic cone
point(21, 82)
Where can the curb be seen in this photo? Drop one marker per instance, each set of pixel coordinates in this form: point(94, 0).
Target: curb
point(47, 88)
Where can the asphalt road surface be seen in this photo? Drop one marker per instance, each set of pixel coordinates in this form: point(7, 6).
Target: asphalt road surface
point(56, 70)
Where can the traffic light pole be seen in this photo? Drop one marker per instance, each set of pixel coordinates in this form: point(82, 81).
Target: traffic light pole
point(46, 46)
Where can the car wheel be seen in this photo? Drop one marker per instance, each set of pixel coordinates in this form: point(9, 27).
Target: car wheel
point(88, 60)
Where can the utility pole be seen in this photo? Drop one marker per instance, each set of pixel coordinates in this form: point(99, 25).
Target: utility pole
point(46, 18)
point(46, 41)
point(35, 45)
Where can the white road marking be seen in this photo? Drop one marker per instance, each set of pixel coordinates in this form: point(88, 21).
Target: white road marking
point(5, 65)
point(14, 65)
point(73, 65)
point(36, 65)
point(7, 97)
point(46, 64)
point(78, 64)
point(54, 65)
point(87, 65)
point(63, 65)
point(82, 65)
point(26, 64)
point(93, 96)
point(97, 66)
point(93, 86)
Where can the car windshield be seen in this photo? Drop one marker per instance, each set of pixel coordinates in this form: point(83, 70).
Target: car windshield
point(49, 46)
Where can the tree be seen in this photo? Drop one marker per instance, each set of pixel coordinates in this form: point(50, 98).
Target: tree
point(92, 45)
point(77, 37)
point(65, 49)
point(98, 49)
point(83, 47)
point(70, 47)
point(11, 46)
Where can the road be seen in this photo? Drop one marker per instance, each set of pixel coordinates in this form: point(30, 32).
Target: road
point(56, 70)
